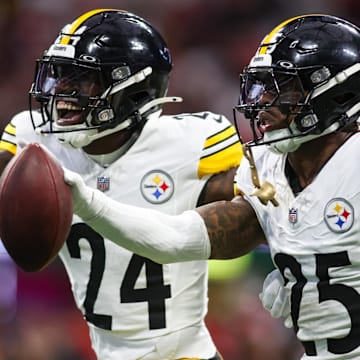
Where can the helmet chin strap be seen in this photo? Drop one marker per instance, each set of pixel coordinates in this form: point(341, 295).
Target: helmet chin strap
point(159, 101)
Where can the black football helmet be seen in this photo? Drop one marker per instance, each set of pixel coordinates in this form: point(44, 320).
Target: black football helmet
point(311, 66)
point(105, 72)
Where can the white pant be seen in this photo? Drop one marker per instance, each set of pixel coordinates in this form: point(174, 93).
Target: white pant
point(192, 342)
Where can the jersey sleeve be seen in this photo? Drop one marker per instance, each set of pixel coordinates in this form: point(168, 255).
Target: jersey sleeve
point(222, 149)
point(19, 127)
point(8, 139)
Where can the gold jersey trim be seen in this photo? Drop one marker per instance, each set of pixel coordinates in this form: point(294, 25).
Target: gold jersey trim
point(220, 136)
point(8, 146)
point(222, 160)
point(10, 129)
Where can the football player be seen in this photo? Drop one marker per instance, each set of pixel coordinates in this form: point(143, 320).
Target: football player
point(298, 191)
point(100, 88)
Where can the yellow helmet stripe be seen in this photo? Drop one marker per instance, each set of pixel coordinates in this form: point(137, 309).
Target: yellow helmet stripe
point(80, 20)
point(269, 37)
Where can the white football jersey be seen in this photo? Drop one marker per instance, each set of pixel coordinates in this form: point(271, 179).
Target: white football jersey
point(314, 239)
point(129, 301)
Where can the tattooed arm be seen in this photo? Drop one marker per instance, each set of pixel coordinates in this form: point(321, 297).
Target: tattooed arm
point(232, 227)
point(227, 221)
point(219, 187)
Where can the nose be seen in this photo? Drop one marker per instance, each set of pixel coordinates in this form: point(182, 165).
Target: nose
point(266, 98)
point(64, 86)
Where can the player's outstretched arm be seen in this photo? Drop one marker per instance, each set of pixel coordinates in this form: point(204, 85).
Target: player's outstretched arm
point(165, 238)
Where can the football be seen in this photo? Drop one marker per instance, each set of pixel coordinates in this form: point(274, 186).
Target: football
point(35, 208)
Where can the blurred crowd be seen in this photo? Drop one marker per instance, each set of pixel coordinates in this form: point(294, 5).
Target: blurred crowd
point(210, 41)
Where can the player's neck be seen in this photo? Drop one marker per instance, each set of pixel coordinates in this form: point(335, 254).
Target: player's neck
point(110, 148)
point(109, 144)
point(310, 158)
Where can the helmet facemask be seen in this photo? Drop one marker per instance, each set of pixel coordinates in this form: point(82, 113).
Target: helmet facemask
point(93, 81)
point(80, 105)
point(265, 88)
point(72, 97)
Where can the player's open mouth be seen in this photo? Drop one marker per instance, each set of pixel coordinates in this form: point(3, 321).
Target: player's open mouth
point(69, 113)
point(266, 122)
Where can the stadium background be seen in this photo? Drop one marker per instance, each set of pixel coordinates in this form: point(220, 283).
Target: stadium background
point(210, 41)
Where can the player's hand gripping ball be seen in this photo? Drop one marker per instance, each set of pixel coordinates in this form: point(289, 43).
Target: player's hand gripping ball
point(35, 208)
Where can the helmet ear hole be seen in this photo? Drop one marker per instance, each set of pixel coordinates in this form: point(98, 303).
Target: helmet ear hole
point(344, 98)
point(139, 96)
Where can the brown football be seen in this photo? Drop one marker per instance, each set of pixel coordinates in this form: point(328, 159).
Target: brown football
point(35, 208)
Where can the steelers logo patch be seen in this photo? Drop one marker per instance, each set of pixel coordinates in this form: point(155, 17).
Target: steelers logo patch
point(339, 215)
point(157, 186)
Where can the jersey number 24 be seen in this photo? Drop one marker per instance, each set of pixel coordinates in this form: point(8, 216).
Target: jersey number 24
point(154, 293)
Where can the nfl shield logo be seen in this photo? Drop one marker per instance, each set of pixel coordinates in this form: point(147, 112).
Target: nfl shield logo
point(103, 183)
point(293, 215)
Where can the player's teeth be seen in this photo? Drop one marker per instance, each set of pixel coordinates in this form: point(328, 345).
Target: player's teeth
point(68, 107)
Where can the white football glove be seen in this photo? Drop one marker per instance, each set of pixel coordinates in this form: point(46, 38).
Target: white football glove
point(82, 194)
point(21, 144)
point(276, 298)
